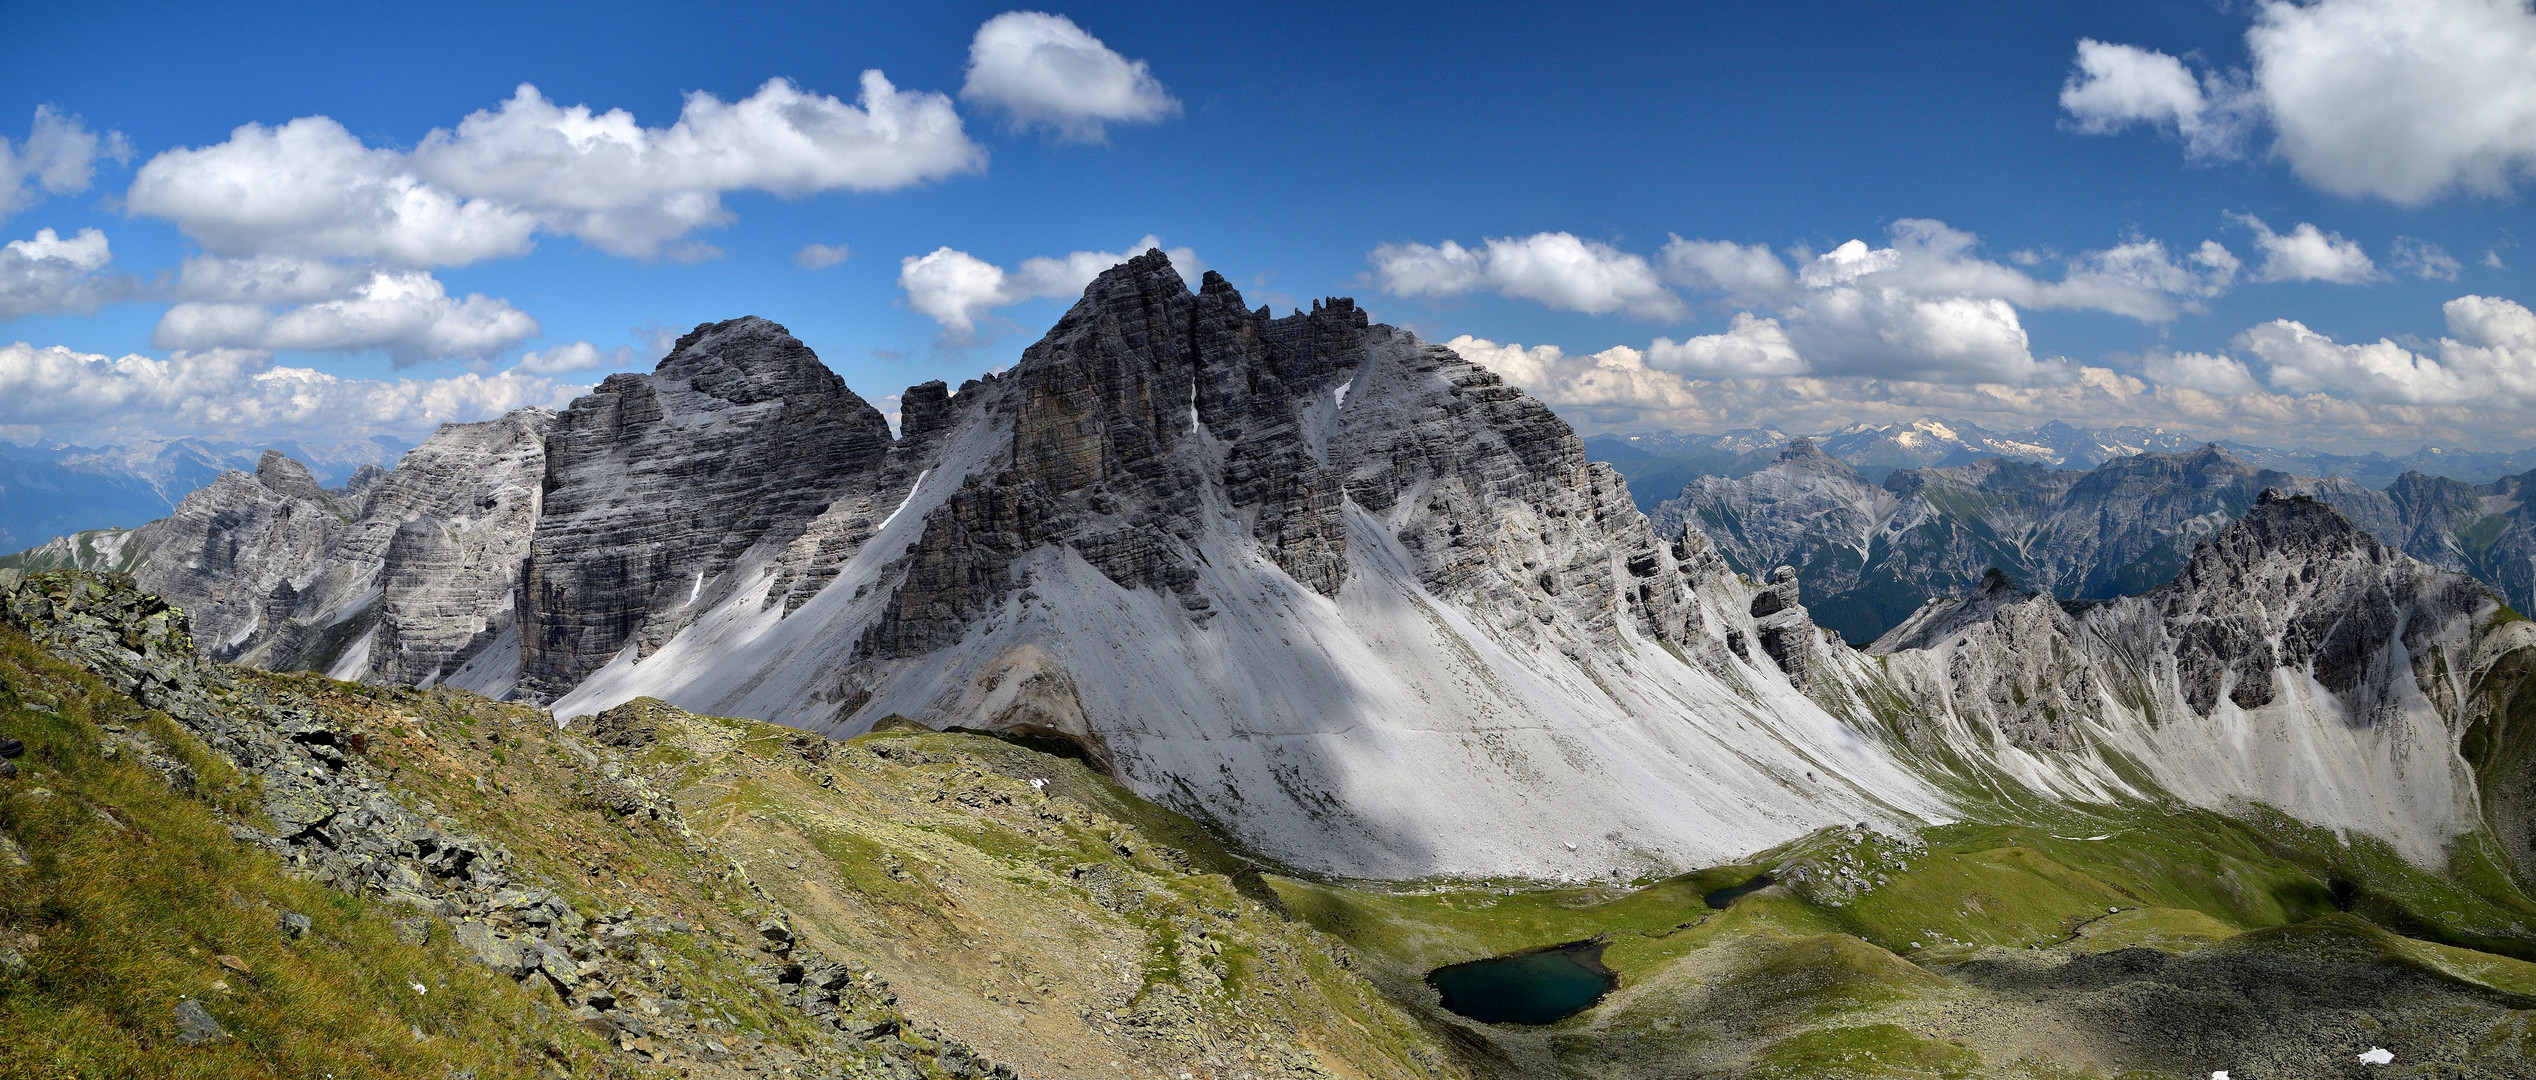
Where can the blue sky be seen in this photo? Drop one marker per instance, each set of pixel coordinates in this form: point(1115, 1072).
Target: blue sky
point(1610, 152)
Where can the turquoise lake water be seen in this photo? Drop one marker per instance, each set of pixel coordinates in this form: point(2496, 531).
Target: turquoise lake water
point(1528, 988)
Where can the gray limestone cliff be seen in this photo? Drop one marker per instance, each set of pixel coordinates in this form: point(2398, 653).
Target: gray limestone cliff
point(238, 554)
point(401, 575)
point(655, 485)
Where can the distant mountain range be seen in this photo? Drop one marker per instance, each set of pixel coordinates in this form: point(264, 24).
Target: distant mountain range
point(1659, 464)
point(49, 491)
point(1867, 554)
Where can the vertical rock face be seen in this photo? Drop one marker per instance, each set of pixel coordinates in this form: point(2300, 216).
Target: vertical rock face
point(1138, 370)
point(464, 505)
point(657, 484)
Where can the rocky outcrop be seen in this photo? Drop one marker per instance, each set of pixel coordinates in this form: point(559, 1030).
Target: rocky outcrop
point(328, 813)
point(657, 485)
point(237, 554)
point(1781, 625)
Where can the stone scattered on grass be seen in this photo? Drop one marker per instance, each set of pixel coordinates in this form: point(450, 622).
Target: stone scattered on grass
point(194, 1024)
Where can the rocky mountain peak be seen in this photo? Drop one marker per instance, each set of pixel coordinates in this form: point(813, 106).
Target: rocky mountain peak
point(2281, 524)
point(657, 485)
point(1119, 416)
point(289, 478)
point(1802, 453)
point(2158, 472)
point(748, 360)
point(368, 476)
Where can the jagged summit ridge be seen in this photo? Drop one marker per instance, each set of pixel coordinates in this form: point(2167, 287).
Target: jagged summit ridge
point(1109, 411)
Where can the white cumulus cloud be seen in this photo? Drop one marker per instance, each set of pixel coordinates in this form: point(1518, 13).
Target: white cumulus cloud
point(2208, 396)
point(2406, 100)
point(2116, 86)
point(957, 289)
point(1749, 347)
point(58, 157)
point(2488, 355)
point(1746, 274)
point(2207, 372)
point(1923, 306)
point(2307, 253)
point(408, 314)
point(45, 274)
point(577, 356)
point(60, 393)
point(267, 279)
point(1615, 377)
point(1041, 69)
point(309, 188)
point(1556, 269)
